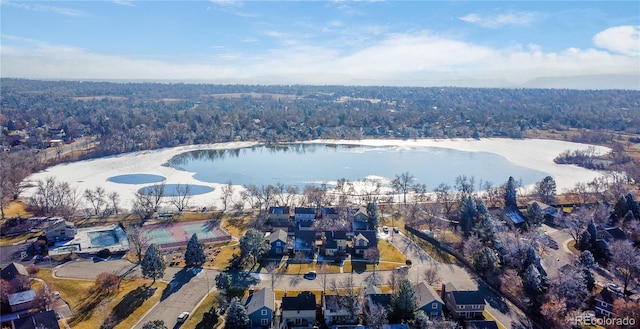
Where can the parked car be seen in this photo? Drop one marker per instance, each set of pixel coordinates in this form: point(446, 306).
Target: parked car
point(183, 317)
point(614, 287)
point(310, 275)
point(385, 229)
point(396, 230)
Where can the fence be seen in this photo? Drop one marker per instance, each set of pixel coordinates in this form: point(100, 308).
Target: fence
point(179, 244)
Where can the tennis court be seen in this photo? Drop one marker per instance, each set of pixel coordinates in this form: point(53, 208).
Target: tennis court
point(177, 234)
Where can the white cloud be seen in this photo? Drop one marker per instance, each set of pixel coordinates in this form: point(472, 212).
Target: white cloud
point(44, 8)
point(419, 58)
point(620, 39)
point(127, 3)
point(500, 20)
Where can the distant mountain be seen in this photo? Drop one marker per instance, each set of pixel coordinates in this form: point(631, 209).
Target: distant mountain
point(605, 81)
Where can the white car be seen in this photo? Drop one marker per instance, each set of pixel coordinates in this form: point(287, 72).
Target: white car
point(385, 229)
point(183, 317)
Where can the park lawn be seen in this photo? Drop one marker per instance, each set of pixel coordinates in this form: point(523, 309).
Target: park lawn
point(16, 208)
point(434, 252)
point(236, 225)
point(389, 252)
point(221, 261)
point(300, 268)
point(8, 241)
point(77, 293)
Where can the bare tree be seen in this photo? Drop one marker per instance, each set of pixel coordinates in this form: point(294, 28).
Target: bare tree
point(274, 273)
point(14, 168)
point(97, 198)
point(323, 270)
point(493, 194)
point(431, 275)
point(577, 221)
point(348, 293)
point(156, 191)
point(114, 198)
point(625, 262)
point(227, 196)
point(54, 198)
point(138, 241)
point(143, 205)
point(181, 197)
point(402, 184)
point(375, 315)
point(445, 197)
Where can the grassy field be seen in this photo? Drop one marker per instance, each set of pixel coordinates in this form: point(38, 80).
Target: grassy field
point(91, 308)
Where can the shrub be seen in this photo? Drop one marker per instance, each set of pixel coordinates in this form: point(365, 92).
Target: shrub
point(104, 253)
point(107, 283)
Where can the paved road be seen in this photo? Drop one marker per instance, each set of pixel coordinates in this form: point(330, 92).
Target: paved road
point(186, 288)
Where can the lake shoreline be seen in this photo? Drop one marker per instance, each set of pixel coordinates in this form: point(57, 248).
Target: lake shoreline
point(88, 174)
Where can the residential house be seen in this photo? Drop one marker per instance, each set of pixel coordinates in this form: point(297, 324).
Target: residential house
point(17, 276)
point(278, 242)
point(603, 306)
point(374, 295)
point(363, 240)
point(336, 311)
point(304, 214)
point(611, 234)
point(48, 320)
point(21, 301)
point(360, 219)
point(463, 304)
point(59, 230)
point(279, 216)
point(299, 311)
point(260, 307)
point(334, 242)
point(428, 300)
point(305, 242)
point(514, 217)
point(548, 212)
point(330, 213)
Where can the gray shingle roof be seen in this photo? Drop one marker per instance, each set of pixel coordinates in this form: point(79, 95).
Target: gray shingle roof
point(259, 299)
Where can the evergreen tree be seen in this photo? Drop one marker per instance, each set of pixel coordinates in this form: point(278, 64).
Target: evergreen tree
point(593, 232)
point(532, 281)
point(194, 255)
point(252, 244)
point(153, 264)
point(236, 316)
point(620, 208)
point(487, 262)
point(510, 195)
point(223, 281)
point(585, 241)
point(466, 215)
point(403, 303)
point(485, 229)
point(546, 190)
point(534, 214)
point(372, 213)
point(632, 205)
point(155, 324)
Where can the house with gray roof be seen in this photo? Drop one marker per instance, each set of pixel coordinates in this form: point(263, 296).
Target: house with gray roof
point(278, 242)
point(260, 307)
point(428, 300)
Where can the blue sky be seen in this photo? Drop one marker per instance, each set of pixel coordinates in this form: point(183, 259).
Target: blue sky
point(486, 43)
